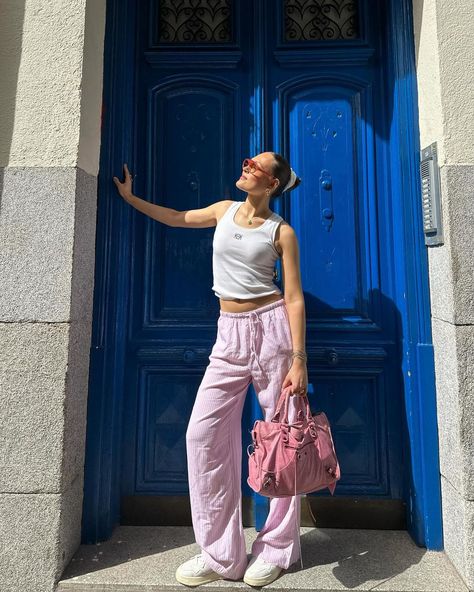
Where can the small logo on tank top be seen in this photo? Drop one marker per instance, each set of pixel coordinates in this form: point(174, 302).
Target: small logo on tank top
point(237, 235)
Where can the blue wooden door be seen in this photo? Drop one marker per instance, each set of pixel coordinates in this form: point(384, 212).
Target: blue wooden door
point(216, 82)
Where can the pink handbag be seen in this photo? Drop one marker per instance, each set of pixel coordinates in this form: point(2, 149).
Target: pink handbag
point(291, 459)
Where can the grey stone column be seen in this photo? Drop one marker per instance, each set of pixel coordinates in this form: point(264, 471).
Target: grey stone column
point(445, 55)
point(50, 98)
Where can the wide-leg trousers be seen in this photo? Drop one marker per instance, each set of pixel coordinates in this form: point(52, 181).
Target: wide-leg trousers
point(255, 347)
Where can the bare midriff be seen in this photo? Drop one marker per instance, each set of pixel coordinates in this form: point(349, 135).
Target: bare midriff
point(246, 304)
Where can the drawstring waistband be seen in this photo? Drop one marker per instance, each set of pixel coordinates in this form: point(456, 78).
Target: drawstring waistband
point(253, 316)
point(254, 319)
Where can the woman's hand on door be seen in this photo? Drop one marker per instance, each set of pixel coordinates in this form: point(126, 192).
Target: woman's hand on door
point(125, 188)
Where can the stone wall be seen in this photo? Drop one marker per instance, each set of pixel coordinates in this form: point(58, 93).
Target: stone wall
point(50, 98)
point(445, 77)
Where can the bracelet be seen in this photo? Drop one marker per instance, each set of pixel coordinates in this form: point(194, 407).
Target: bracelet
point(299, 354)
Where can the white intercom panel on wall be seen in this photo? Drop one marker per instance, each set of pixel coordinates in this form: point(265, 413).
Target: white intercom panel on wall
point(431, 196)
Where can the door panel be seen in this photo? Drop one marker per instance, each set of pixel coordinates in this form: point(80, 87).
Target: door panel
point(326, 102)
point(192, 122)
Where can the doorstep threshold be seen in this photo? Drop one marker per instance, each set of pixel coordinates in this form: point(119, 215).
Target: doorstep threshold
point(145, 558)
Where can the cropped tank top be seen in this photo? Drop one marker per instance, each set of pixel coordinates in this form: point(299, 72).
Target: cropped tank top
point(243, 259)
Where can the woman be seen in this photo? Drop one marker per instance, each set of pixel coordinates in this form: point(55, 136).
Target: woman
point(260, 338)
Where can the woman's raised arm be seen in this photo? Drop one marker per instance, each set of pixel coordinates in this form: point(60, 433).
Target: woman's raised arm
point(200, 218)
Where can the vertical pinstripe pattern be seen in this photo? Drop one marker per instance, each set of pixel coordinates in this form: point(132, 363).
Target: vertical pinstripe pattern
point(250, 346)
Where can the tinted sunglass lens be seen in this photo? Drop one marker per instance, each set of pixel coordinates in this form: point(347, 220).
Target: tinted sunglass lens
point(250, 164)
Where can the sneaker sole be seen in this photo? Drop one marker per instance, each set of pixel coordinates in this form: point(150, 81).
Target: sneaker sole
point(261, 581)
point(197, 580)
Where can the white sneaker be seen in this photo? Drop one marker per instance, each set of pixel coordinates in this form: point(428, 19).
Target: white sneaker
point(259, 572)
point(194, 572)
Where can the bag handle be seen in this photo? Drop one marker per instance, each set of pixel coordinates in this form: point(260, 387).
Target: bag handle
point(284, 399)
point(303, 401)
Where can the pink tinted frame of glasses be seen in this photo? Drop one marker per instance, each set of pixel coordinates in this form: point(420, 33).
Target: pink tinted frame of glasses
point(249, 161)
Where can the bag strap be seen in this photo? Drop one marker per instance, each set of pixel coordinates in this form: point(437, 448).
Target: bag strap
point(284, 400)
point(305, 401)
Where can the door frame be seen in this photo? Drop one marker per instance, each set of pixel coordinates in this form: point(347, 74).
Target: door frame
point(101, 502)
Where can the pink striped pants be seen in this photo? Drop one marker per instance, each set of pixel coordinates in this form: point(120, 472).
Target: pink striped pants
point(250, 346)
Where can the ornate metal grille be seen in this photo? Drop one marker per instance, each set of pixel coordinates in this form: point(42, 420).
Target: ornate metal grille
point(315, 20)
point(195, 21)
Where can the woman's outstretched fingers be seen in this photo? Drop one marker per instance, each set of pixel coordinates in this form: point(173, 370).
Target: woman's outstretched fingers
point(125, 188)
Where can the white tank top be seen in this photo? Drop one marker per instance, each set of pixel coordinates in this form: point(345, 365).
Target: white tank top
point(243, 259)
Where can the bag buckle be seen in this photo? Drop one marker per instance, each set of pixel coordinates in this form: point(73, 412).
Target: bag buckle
point(268, 480)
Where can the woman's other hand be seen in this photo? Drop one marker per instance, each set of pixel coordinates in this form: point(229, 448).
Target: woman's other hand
point(298, 378)
point(125, 188)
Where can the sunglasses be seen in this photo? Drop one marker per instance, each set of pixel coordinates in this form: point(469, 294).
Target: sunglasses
point(253, 166)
